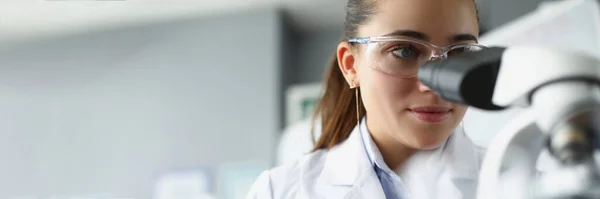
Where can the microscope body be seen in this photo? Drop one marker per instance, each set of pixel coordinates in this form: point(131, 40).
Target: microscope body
point(560, 94)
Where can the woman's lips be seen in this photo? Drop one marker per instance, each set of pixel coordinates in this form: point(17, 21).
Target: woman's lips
point(431, 114)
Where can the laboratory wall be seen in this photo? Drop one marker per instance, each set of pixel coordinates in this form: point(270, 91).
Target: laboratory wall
point(105, 114)
point(313, 51)
point(498, 13)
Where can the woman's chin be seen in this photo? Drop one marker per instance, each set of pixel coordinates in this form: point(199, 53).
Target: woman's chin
point(429, 142)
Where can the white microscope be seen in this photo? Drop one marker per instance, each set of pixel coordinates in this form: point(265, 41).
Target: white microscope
point(560, 91)
point(549, 91)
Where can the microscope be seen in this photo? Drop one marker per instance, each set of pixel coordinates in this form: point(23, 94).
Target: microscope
point(559, 92)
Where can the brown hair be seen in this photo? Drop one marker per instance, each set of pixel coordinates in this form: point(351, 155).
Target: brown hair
point(337, 107)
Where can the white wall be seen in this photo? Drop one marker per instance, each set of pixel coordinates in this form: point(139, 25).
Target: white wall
point(105, 113)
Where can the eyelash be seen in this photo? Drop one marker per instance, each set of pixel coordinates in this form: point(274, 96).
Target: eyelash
point(396, 47)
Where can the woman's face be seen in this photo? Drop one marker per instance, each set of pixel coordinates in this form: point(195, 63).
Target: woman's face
point(402, 108)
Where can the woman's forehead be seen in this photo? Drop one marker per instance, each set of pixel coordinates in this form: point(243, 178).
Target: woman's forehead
point(438, 20)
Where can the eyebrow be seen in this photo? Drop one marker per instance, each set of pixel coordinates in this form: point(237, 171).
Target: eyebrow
point(424, 37)
point(409, 33)
point(463, 37)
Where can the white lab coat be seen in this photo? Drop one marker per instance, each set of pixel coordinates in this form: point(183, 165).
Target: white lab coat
point(345, 172)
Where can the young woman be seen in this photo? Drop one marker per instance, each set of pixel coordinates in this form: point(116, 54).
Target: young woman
point(384, 133)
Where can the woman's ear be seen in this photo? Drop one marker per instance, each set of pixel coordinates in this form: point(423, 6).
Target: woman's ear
point(347, 63)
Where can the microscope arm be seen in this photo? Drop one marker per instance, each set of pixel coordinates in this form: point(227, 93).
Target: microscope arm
point(513, 154)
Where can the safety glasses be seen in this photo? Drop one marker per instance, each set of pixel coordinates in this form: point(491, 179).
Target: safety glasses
point(402, 56)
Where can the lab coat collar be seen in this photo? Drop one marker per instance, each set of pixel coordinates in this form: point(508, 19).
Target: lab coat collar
point(346, 161)
point(452, 167)
point(463, 157)
point(450, 171)
point(348, 171)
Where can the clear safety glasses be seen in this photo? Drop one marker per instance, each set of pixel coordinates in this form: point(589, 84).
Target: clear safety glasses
point(402, 56)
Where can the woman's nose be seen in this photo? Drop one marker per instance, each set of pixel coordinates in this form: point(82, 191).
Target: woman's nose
point(423, 87)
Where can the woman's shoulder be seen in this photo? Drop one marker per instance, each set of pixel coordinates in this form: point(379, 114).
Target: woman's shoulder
point(306, 166)
point(286, 180)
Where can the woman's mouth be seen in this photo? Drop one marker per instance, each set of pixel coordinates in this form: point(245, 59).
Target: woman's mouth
point(431, 114)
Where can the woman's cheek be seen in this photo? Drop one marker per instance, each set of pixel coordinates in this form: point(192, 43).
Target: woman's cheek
point(390, 91)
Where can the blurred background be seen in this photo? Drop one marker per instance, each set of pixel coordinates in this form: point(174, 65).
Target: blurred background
point(162, 99)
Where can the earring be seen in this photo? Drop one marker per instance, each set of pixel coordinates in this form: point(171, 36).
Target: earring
point(357, 105)
point(352, 85)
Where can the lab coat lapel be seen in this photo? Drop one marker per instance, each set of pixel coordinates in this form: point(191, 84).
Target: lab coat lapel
point(462, 164)
point(347, 172)
point(368, 186)
point(464, 161)
point(449, 172)
point(422, 172)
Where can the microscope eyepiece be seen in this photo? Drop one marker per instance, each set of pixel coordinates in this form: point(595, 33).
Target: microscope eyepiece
point(467, 78)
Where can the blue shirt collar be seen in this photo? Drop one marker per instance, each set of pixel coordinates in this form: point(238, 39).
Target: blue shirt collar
point(373, 152)
point(375, 156)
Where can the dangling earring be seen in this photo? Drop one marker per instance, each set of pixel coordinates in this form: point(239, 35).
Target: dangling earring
point(353, 86)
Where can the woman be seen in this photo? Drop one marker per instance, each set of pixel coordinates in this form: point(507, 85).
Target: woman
point(385, 134)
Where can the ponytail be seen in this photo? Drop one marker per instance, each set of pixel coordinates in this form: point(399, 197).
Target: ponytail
point(337, 108)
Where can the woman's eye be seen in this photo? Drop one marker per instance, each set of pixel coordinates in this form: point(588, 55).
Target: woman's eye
point(457, 51)
point(406, 52)
point(464, 49)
